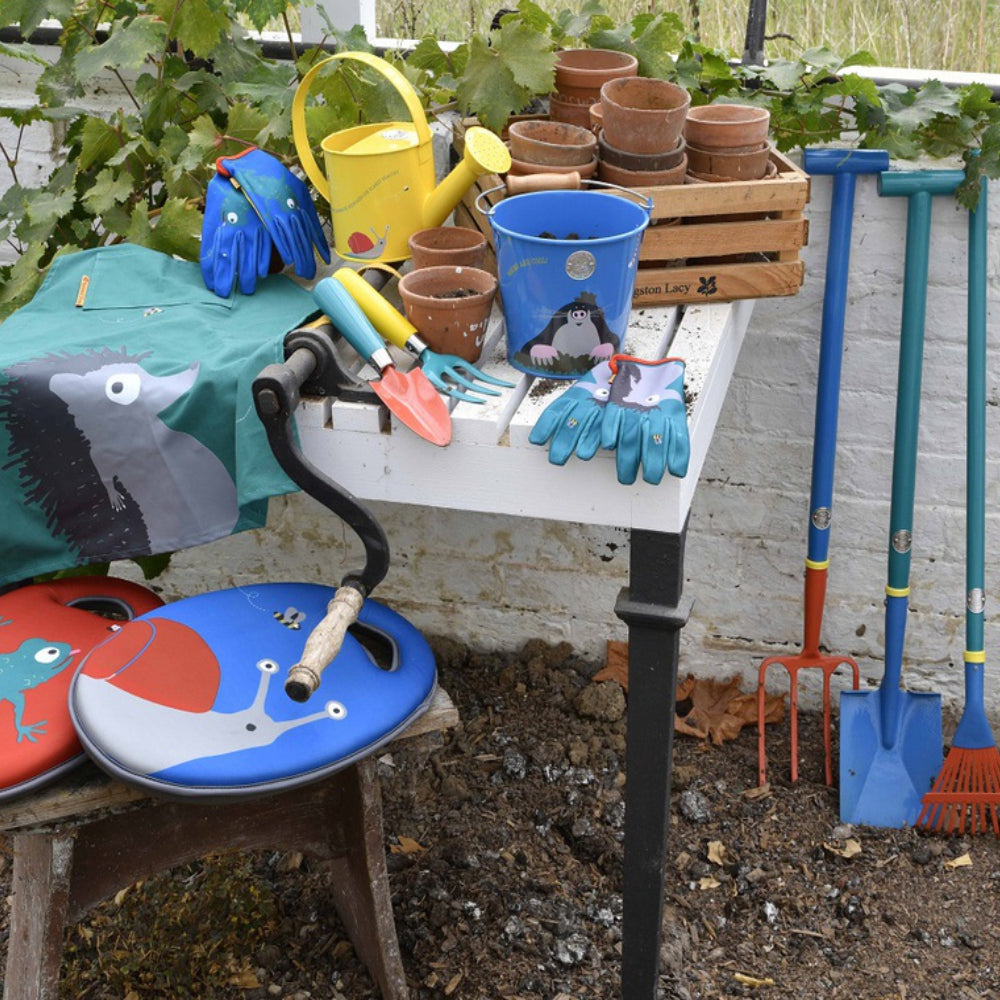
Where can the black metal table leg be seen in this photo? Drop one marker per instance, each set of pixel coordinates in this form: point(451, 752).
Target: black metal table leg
point(652, 608)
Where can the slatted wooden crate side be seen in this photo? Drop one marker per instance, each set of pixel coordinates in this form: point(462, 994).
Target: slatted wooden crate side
point(707, 242)
point(713, 282)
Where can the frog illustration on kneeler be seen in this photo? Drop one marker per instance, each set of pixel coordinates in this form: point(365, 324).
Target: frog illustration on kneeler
point(33, 663)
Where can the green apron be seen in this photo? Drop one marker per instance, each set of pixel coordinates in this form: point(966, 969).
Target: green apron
point(127, 424)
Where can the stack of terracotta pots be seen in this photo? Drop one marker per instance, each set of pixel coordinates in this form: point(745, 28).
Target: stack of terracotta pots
point(580, 74)
point(552, 147)
point(641, 142)
point(727, 142)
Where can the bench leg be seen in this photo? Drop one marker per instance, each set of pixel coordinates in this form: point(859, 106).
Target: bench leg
point(59, 877)
point(43, 865)
point(361, 886)
point(652, 608)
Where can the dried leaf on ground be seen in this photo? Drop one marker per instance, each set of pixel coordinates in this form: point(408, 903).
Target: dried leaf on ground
point(406, 845)
point(851, 848)
point(719, 708)
point(964, 861)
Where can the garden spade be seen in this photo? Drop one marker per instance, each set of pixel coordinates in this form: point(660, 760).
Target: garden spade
point(890, 739)
point(409, 395)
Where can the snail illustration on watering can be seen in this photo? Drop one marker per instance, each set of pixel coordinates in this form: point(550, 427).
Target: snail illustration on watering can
point(380, 180)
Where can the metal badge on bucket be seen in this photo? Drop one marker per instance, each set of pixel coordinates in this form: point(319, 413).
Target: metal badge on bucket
point(379, 180)
point(566, 262)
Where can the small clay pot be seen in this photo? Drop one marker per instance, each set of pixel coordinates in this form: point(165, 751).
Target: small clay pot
point(573, 112)
point(740, 166)
point(639, 161)
point(643, 114)
point(580, 73)
point(596, 117)
point(521, 169)
point(612, 174)
point(557, 144)
point(455, 245)
point(727, 126)
point(450, 307)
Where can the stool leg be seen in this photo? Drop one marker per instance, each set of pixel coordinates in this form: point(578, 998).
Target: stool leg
point(43, 865)
point(360, 883)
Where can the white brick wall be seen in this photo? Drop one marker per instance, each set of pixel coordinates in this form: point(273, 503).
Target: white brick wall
point(497, 581)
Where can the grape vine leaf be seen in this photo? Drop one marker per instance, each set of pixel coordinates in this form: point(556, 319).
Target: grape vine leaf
point(505, 73)
point(129, 46)
point(194, 23)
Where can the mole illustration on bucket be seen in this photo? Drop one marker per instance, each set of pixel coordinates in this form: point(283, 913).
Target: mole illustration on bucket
point(566, 263)
point(379, 180)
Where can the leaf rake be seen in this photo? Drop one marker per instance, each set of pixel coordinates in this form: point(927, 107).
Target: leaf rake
point(966, 793)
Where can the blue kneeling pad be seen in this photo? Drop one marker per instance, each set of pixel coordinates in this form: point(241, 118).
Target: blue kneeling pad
point(189, 700)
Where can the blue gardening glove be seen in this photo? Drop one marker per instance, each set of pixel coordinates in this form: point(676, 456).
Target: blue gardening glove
point(283, 203)
point(234, 244)
point(573, 421)
point(645, 419)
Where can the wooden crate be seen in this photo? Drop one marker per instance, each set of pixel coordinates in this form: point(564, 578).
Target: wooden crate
point(707, 242)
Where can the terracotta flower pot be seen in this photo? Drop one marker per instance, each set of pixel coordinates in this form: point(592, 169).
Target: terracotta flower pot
point(739, 165)
point(612, 174)
point(644, 115)
point(521, 169)
point(596, 117)
point(557, 144)
point(639, 161)
point(580, 73)
point(697, 177)
point(729, 126)
point(450, 307)
point(455, 245)
point(570, 111)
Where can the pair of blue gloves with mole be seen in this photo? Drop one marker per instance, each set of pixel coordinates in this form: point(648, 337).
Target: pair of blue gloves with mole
point(255, 207)
point(629, 404)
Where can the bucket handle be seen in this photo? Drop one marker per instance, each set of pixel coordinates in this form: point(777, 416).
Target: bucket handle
point(301, 137)
point(644, 201)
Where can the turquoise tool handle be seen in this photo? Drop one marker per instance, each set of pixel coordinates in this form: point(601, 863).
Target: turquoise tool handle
point(353, 324)
point(974, 730)
point(919, 187)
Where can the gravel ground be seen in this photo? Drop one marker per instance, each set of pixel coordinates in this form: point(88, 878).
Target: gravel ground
point(505, 870)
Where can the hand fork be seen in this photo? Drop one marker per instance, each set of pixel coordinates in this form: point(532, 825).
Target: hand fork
point(449, 373)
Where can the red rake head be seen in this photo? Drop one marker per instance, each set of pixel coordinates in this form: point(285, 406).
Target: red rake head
point(966, 795)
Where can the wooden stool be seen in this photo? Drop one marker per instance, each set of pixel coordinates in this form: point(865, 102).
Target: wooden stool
point(82, 839)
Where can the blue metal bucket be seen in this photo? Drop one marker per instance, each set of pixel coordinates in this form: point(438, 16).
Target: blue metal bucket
point(566, 264)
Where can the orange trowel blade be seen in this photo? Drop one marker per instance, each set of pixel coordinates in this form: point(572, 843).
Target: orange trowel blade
point(416, 402)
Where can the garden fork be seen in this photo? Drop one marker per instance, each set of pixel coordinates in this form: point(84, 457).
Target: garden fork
point(449, 373)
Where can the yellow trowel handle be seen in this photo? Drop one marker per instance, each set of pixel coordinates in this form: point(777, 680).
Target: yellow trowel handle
point(393, 326)
point(301, 136)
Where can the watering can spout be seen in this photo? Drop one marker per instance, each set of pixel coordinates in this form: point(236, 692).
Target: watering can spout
point(484, 153)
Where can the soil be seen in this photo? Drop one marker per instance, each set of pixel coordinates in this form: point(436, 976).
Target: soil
point(505, 870)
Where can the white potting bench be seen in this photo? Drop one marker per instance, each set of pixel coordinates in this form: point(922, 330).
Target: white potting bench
point(490, 466)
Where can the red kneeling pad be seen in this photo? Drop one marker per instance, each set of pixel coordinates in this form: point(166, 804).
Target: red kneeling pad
point(46, 629)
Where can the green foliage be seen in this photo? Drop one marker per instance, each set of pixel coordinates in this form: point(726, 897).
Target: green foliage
point(197, 87)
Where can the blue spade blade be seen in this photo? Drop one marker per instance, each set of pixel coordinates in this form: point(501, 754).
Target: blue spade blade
point(883, 776)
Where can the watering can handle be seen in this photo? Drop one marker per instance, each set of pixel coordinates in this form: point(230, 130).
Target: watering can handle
point(301, 136)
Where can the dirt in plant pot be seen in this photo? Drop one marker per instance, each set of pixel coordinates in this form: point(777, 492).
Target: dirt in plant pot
point(505, 872)
point(456, 293)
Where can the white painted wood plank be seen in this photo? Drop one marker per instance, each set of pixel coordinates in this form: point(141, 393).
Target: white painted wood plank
point(491, 467)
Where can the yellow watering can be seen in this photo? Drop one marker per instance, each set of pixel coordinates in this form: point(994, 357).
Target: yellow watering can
point(380, 180)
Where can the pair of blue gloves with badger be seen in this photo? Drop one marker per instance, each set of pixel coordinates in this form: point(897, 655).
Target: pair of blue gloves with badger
point(256, 207)
point(629, 404)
